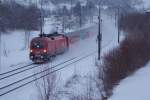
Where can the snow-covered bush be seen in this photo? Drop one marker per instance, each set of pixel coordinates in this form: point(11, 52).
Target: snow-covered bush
point(47, 88)
point(82, 88)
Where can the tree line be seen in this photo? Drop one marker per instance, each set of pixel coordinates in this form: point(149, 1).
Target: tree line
point(16, 16)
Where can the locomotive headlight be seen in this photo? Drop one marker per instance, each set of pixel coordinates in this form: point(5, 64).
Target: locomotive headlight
point(31, 51)
point(44, 50)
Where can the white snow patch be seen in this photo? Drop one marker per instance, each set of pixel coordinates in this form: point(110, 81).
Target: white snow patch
point(135, 87)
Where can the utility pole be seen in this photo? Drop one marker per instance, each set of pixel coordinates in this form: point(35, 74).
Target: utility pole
point(0, 41)
point(63, 24)
point(99, 37)
point(71, 13)
point(42, 17)
point(118, 24)
point(71, 7)
point(63, 19)
point(80, 16)
point(0, 48)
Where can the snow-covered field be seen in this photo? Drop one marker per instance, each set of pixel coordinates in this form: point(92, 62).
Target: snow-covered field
point(135, 87)
point(78, 49)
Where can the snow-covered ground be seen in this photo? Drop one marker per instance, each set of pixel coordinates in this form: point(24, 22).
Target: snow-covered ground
point(135, 87)
point(13, 44)
point(78, 49)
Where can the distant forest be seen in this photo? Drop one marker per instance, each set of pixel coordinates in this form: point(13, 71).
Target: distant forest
point(16, 16)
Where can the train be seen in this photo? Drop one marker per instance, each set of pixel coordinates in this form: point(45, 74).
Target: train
point(46, 46)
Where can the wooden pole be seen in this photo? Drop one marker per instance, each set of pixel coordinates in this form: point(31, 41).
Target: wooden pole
point(99, 34)
point(0, 49)
point(42, 17)
point(118, 25)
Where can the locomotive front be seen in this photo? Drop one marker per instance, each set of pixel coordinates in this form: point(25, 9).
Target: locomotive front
point(39, 50)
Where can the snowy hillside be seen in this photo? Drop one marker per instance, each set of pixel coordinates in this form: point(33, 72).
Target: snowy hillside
point(135, 87)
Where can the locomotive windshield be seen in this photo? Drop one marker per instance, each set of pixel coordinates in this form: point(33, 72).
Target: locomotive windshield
point(37, 45)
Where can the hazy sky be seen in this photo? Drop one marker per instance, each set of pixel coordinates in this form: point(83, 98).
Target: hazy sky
point(147, 3)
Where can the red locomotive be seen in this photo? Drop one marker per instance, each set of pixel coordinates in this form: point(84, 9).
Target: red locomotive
point(46, 46)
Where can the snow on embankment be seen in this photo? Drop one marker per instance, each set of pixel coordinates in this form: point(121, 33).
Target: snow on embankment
point(122, 61)
point(135, 87)
point(132, 53)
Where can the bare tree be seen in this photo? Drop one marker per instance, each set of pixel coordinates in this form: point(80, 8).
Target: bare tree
point(88, 86)
point(47, 87)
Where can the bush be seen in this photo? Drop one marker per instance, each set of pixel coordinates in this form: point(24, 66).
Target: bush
point(132, 53)
point(123, 61)
point(136, 25)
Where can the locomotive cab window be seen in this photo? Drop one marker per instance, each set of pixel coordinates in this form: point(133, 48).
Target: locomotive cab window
point(52, 38)
point(37, 45)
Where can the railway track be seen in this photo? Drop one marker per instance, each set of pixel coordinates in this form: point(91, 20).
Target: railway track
point(32, 78)
point(4, 73)
point(15, 72)
point(29, 79)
